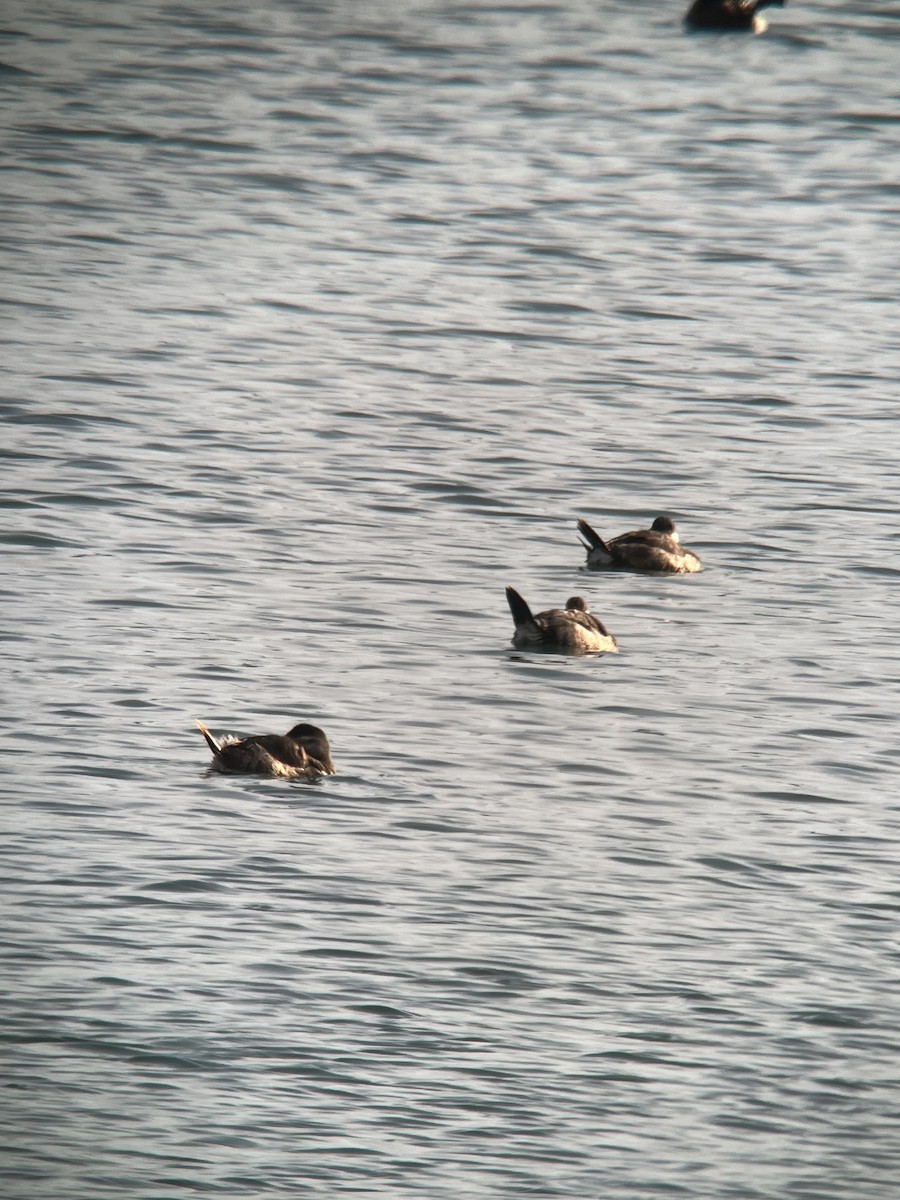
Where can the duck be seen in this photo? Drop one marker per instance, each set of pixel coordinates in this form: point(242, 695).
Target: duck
point(729, 14)
point(656, 550)
point(570, 630)
point(302, 753)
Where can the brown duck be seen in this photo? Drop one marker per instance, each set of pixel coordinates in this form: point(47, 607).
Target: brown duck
point(569, 630)
point(302, 753)
point(655, 550)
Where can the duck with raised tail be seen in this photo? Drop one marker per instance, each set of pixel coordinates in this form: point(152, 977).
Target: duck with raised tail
point(657, 550)
point(570, 630)
point(302, 753)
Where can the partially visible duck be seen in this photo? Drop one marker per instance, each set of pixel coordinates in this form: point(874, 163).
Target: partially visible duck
point(569, 630)
point(302, 753)
point(655, 550)
point(729, 14)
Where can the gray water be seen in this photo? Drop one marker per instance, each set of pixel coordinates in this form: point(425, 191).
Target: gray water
point(323, 323)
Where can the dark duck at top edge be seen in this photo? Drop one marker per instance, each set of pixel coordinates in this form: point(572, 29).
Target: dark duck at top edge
point(729, 14)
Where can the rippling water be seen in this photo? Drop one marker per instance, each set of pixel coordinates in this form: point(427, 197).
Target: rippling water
point(323, 323)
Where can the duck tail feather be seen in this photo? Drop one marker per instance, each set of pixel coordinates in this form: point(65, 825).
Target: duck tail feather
point(521, 613)
point(590, 537)
point(210, 740)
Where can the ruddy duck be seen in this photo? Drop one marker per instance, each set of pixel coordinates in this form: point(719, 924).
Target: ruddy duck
point(303, 753)
point(569, 630)
point(657, 549)
point(729, 14)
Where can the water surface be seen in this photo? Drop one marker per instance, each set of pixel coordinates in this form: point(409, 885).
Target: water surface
point(322, 325)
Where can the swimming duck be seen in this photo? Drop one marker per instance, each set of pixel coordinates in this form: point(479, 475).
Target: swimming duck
point(302, 753)
point(729, 14)
point(569, 630)
point(656, 549)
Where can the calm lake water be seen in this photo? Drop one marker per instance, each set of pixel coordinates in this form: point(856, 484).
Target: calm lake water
point(323, 323)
